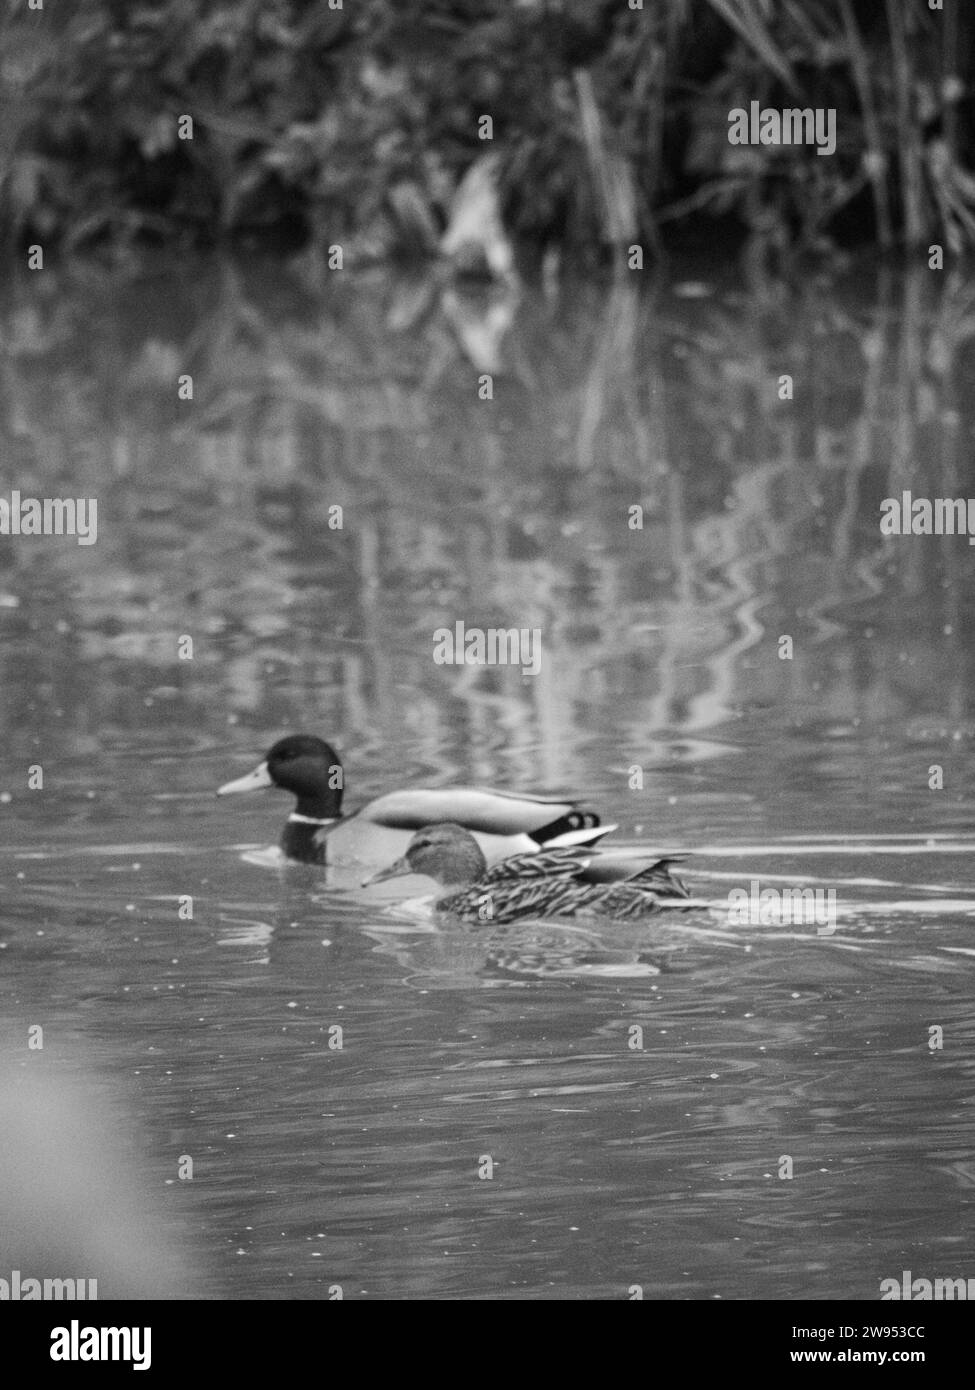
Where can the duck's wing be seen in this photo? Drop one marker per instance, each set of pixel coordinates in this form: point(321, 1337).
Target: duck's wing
point(547, 865)
point(477, 808)
point(526, 885)
point(556, 883)
point(625, 866)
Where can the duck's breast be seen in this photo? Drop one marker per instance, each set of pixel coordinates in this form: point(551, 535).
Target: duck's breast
point(359, 841)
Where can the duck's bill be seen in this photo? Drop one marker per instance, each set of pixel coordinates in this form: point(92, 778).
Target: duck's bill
point(398, 870)
point(251, 782)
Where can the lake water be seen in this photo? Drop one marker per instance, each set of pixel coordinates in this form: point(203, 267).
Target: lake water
point(657, 1158)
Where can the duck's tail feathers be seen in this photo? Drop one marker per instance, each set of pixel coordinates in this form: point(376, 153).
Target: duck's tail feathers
point(580, 837)
point(658, 875)
point(574, 828)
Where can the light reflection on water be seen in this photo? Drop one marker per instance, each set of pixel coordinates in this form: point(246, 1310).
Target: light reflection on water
point(614, 1166)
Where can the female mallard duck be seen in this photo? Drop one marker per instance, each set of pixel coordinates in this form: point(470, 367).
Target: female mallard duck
point(552, 883)
point(504, 822)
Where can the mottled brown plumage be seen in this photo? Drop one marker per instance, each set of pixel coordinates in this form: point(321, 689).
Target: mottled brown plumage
point(551, 883)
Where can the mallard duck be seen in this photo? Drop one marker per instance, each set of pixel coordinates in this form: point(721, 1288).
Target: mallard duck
point(551, 883)
point(505, 823)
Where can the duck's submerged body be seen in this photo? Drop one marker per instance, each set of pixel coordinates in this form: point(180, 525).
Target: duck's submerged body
point(503, 823)
point(550, 883)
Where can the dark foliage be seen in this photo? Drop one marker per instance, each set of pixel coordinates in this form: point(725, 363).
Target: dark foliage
point(313, 123)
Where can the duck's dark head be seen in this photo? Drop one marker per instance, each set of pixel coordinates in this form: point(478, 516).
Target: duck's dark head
point(304, 765)
point(447, 853)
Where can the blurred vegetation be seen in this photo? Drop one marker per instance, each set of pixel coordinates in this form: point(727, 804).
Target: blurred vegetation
point(313, 124)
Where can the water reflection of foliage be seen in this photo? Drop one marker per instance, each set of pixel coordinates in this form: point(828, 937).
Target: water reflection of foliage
point(214, 514)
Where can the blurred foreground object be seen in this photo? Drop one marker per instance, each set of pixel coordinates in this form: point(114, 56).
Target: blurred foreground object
point(72, 1204)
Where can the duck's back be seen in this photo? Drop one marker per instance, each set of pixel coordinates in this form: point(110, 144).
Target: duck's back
point(478, 808)
point(554, 884)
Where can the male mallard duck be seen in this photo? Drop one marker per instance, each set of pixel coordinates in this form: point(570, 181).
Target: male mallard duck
point(551, 883)
point(504, 822)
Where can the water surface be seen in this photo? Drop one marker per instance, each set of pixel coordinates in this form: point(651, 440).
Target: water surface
point(619, 1161)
